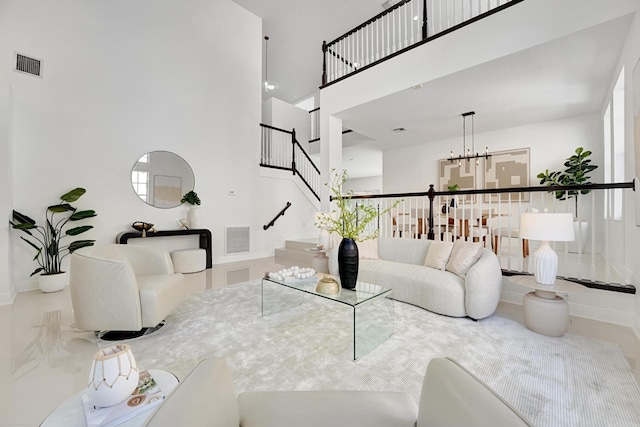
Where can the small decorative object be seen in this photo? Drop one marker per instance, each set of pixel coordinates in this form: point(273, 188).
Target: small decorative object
point(142, 226)
point(113, 376)
point(327, 285)
point(48, 241)
point(192, 217)
point(184, 224)
point(350, 221)
point(294, 272)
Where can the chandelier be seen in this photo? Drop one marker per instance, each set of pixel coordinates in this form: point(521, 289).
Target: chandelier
point(468, 153)
point(267, 86)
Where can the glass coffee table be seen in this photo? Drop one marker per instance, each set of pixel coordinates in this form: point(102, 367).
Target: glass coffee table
point(369, 306)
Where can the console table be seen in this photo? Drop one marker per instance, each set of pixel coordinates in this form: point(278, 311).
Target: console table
point(205, 238)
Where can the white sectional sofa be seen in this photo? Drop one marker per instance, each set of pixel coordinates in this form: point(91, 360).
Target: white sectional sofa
point(400, 265)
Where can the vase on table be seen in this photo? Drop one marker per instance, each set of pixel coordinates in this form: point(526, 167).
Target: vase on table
point(348, 263)
point(193, 217)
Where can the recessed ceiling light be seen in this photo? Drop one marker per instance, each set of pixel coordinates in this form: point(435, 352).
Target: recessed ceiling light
point(419, 86)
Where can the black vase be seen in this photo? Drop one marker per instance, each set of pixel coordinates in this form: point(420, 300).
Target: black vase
point(348, 263)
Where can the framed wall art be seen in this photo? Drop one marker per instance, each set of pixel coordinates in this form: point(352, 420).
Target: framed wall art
point(463, 175)
point(507, 169)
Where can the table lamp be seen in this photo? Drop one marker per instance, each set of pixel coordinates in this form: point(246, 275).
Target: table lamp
point(546, 227)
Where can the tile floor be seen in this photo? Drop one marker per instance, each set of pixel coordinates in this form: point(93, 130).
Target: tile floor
point(44, 360)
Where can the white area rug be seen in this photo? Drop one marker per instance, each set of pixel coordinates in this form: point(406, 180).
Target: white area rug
point(567, 381)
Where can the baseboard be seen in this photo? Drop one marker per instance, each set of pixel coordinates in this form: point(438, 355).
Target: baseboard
point(585, 311)
point(7, 298)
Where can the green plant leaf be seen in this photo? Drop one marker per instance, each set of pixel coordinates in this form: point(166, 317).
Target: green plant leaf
point(21, 218)
point(74, 246)
point(33, 245)
point(63, 207)
point(23, 227)
point(73, 195)
point(52, 249)
point(36, 271)
point(77, 216)
point(78, 230)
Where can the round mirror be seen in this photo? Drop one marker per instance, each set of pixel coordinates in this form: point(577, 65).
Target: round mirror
point(161, 178)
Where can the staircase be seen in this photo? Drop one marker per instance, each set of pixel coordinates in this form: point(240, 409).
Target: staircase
point(295, 253)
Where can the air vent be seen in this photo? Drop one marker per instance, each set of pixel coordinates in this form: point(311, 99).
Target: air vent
point(28, 65)
point(399, 130)
point(237, 240)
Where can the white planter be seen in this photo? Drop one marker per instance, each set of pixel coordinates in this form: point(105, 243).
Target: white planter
point(193, 217)
point(113, 377)
point(53, 282)
point(579, 227)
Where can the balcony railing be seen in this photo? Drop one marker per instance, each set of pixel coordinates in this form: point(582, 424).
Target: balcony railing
point(492, 217)
point(402, 27)
point(279, 149)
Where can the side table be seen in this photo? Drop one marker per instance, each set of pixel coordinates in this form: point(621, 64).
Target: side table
point(320, 262)
point(70, 412)
point(544, 311)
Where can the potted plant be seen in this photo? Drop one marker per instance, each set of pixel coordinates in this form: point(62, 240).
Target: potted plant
point(192, 217)
point(48, 240)
point(350, 221)
point(578, 167)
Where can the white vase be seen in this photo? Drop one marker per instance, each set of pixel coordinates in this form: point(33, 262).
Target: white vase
point(53, 282)
point(193, 217)
point(113, 376)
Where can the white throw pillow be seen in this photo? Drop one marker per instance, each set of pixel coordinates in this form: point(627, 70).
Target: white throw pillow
point(463, 256)
point(368, 249)
point(438, 255)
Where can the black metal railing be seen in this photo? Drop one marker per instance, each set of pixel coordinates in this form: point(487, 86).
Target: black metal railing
point(275, 218)
point(279, 149)
point(398, 29)
point(492, 217)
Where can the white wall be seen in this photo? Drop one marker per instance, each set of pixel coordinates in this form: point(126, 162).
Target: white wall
point(123, 78)
point(283, 115)
point(412, 169)
point(7, 288)
point(369, 185)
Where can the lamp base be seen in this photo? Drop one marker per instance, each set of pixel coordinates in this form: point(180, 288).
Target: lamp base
point(545, 262)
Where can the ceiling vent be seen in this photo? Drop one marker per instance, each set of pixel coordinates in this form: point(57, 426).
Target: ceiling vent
point(389, 4)
point(399, 130)
point(28, 65)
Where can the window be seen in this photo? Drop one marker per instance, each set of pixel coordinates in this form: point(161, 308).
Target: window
point(614, 140)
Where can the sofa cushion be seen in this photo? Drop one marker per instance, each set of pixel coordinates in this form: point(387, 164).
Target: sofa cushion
point(463, 256)
point(438, 255)
point(368, 249)
point(408, 251)
point(435, 290)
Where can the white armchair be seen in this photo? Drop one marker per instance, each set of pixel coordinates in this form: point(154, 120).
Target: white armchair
point(123, 287)
point(451, 396)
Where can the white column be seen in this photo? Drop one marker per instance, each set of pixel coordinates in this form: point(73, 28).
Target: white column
point(7, 287)
point(330, 152)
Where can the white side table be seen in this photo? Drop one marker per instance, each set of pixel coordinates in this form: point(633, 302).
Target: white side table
point(545, 312)
point(70, 413)
point(320, 262)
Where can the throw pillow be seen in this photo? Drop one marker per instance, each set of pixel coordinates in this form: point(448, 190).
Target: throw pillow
point(463, 256)
point(438, 255)
point(368, 249)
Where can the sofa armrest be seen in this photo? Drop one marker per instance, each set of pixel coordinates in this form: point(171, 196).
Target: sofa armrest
point(327, 408)
point(483, 286)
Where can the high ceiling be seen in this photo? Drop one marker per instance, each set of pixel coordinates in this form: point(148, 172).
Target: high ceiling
point(562, 78)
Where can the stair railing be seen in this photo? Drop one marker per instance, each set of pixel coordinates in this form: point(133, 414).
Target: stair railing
point(279, 149)
point(275, 218)
point(403, 26)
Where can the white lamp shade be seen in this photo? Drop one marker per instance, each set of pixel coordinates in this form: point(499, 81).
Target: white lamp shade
point(553, 227)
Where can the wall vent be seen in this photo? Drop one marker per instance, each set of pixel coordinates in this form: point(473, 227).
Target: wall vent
point(238, 275)
point(236, 240)
point(28, 65)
